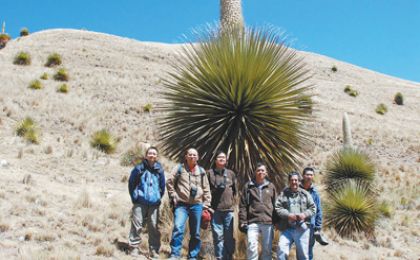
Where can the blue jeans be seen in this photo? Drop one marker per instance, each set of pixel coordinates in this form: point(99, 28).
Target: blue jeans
point(222, 227)
point(253, 233)
point(182, 212)
point(298, 235)
point(311, 243)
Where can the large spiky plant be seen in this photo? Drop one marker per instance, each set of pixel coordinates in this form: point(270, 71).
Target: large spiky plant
point(351, 209)
point(240, 93)
point(349, 164)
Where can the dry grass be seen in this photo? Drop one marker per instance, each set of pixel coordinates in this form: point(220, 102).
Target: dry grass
point(83, 201)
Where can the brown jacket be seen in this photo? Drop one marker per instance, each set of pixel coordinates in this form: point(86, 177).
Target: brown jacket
point(185, 180)
point(257, 205)
point(223, 189)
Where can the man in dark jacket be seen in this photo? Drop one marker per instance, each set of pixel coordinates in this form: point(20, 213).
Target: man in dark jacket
point(256, 210)
point(295, 207)
point(316, 220)
point(146, 187)
point(223, 191)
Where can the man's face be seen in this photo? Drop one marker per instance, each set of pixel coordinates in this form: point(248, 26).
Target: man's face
point(192, 157)
point(308, 177)
point(221, 160)
point(261, 173)
point(151, 156)
point(294, 183)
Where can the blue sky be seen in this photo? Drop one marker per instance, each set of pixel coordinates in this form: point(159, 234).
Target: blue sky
point(382, 35)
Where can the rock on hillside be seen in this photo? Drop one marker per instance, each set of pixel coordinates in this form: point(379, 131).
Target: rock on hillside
point(111, 79)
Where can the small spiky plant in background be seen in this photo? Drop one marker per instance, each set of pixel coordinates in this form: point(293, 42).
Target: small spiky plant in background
point(351, 209)
point(44, 76)
point(22, 58)
point(28, 130)
point(334, 68)
point(63, 88)
point(147, 108)
point(54, 59)
point(103, 141)
point(381, 109)
point(61, 75)
point(24, 31)
point(133, 156)
point(399, 99)
point(35, 84)
point(349, 164)
point(239, 92)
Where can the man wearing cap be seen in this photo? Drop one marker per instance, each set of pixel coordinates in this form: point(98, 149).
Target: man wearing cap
point(256, 211)
point(316, 220)
point(295, 207)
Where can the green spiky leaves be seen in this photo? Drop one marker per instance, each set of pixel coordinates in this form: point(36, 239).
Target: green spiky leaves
point(352, 209)
point(241, 93)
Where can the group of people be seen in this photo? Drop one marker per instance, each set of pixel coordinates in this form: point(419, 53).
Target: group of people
point(198, 195)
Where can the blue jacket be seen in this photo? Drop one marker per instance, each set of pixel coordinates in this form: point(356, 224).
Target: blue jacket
point(316, 220)
point(147, 184)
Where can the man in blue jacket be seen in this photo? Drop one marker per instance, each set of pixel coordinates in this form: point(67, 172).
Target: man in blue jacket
point(316, 220)
point(146, 186)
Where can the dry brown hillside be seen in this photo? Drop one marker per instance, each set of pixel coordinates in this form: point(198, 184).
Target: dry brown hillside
point(75, 203)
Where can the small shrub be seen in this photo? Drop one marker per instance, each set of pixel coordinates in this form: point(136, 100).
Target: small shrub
point(27, 129)
point(22, 58)
point(61, 75)
point(103, 141)
point(351, 210)
point(147, 108)
point(53, 59)
point(44, 76)
point(334, 68)
point(348, 88)
point(4, 38)
point(133, 156)
point(385, 209)
point(399, 99)
point(354, 93)
point(381, 109)
point(24, 32)
point(347, 164)
point(63, 88)
point(35, 84)
point(350, 91)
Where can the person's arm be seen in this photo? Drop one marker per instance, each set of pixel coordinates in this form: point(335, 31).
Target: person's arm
point(310, 206)
point(318, 216)
point(170, 184)
point(243, 207)
point(206, 192)
point(162, 182)
point(133, 182)
point(281, 211)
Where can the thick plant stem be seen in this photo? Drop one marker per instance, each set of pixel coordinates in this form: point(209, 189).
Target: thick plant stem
point(348, 141)
point(231, 15)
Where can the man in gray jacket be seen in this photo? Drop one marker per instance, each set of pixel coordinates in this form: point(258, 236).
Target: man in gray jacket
point(294, 207)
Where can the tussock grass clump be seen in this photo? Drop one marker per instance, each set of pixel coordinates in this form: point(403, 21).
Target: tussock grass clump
point(35, 84)
point(27, 129)
point(381, 109)
point(385, 209)
point(44, 76)
point(104, 141)
point(84, 201)
point(4, 38)
point(61, 75)
point(24, 31)
point(54, 59)
point(399, 99)
point(351, 210)
point(63, 88)
point(349, 164)
point(22, 58)
point(105, 250)
point(147, 108)
point(350, 91)
point(133, 156)
point(334, 68)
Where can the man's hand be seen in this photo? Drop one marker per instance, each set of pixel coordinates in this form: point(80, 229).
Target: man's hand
point(301, 217)
point(292, 217)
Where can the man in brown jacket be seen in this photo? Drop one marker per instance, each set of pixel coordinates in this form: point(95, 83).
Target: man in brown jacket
point(256, 211)
point(189, 190)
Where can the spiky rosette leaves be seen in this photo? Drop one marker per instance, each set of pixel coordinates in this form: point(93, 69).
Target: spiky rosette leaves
point(349, 164)
point(239, 93)
point(351, 209)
